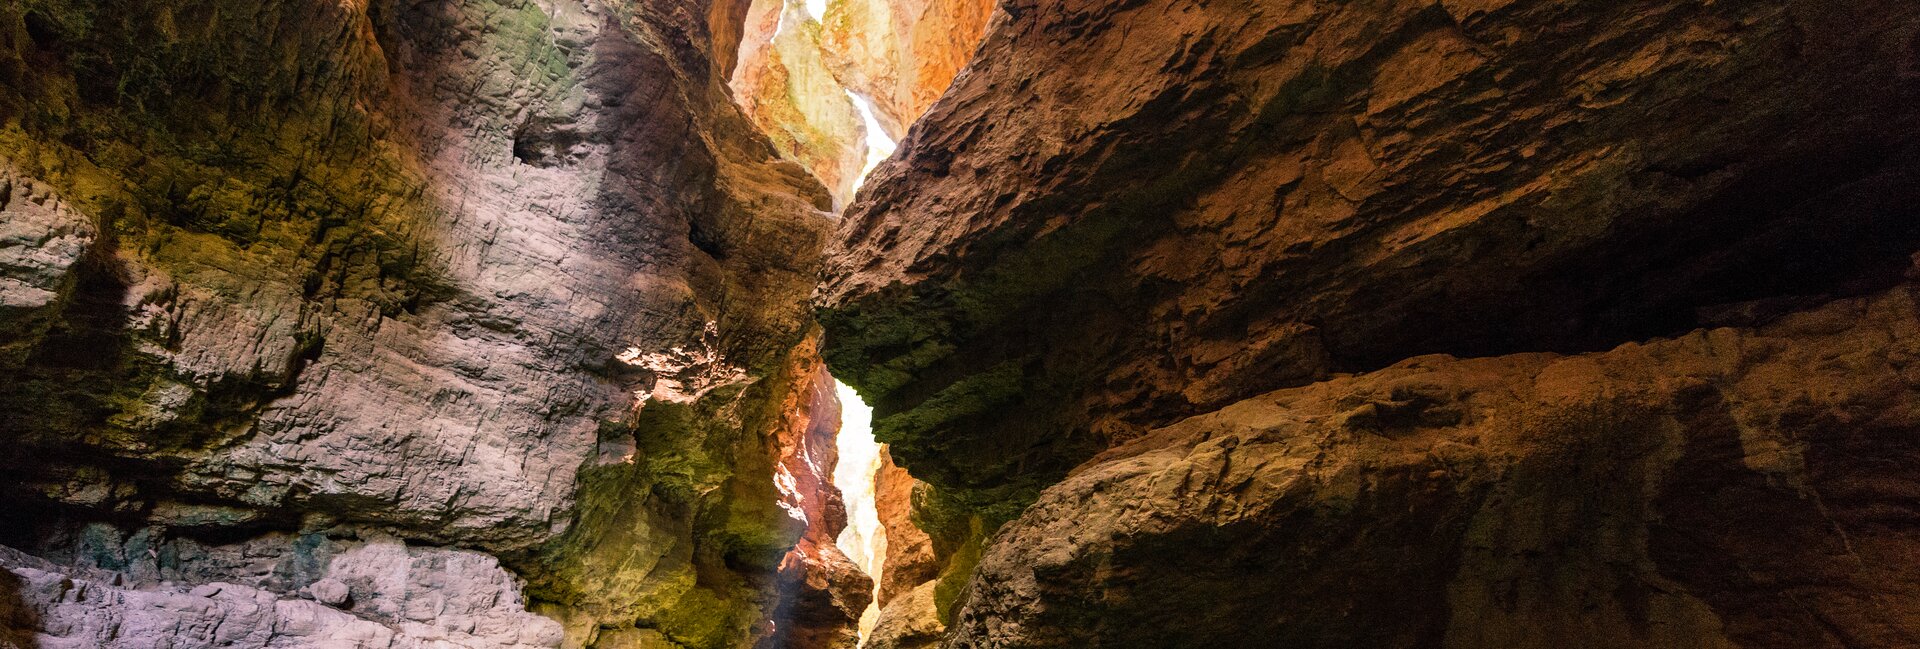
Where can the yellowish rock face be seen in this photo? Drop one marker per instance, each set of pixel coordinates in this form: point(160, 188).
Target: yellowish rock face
point(784, 85)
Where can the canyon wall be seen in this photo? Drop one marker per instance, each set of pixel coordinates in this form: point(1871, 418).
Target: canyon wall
point(1095, 259)
point(784, 84)
point(902, 55)
point(381, 323)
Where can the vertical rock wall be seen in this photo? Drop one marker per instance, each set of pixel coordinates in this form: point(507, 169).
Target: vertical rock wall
point(462, 280)
point(784, 84)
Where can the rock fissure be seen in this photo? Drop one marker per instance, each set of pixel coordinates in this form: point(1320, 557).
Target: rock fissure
point(523, 323)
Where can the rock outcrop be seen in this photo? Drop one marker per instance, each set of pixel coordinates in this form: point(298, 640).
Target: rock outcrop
point(822, 591)
point(910, 621)
point(498, 277)
point(1727, 488)
point(378, 594)
point(1127, 222)
point(1124, 214)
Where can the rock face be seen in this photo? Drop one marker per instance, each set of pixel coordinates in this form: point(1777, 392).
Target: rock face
point(380, 593)
point(1728, 488)
point(902, 54)
point(910, 558)
point(499, 277)
point(42, 244)
point(1127, 222)
point(822, 591)
point(784, 84)
point(910, 621)
point(1124, 214)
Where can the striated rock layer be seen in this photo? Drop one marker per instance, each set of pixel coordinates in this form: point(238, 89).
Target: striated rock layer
point(1126, 222)
point(1727, 488)
point(1123, 214)
point(501, 278)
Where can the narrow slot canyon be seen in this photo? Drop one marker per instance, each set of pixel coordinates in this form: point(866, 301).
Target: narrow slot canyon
point(959, 324)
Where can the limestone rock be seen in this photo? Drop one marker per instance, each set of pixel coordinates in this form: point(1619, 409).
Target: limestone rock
point(330, 592)
point(42, 239)
point(473, 604)
point(824, 591)
point(377, 264)
point(1126, 213)
point(785, 86)
point(1727, 488)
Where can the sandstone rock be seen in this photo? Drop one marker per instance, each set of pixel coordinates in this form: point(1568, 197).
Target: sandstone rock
point(910, 558)
point(1727, 488)
point(1124, 214)
point(784, 84)
point(902, 54)
point(909, 622)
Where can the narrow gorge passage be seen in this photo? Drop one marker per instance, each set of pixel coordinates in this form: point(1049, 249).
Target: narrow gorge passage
point(864, 540)
point(1186, 324)
point(811, 83)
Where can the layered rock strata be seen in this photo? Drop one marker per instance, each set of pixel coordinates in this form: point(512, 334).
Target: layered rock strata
point(1726, 488)
point(500, 278)
point(1124, 214)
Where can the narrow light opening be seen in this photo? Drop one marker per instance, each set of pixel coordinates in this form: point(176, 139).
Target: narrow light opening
point(864, 540)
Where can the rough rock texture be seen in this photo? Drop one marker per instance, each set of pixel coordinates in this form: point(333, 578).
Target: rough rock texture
point(910, 559)
point(910, 621)
point(823, 591)
point(1728, 488)
point(388, 596)
point(785, 86)
point(902, 54)
point(508, 276)
point(1126, 213)
point(41, 241)
point(42, 244)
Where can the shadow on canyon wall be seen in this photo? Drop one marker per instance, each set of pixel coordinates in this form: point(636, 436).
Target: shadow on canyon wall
point(17, 620)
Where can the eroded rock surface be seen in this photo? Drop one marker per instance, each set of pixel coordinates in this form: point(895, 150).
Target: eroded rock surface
point(1727, 488)
point(910, 557)
point(823, 591)
point(786, 87)
point(379, 594)
point(902, 54)
point(503, 277)
point(1127, 213)
point(909, 621)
